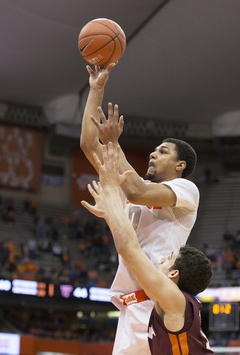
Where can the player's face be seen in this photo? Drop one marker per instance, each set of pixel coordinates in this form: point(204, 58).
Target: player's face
point(167, 262)
point(162, 163)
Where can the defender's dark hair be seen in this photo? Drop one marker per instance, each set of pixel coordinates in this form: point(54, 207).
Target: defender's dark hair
point(195, 270)
point(185, 152)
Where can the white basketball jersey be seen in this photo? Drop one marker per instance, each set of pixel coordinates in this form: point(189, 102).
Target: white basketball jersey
point(160, 231)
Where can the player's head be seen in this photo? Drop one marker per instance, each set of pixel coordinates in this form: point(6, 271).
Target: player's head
point(172, 159)
point(184, 152)
point(195, 270)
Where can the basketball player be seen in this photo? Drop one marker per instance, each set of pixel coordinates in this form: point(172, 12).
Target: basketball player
point(175, 324)
point(162, 210)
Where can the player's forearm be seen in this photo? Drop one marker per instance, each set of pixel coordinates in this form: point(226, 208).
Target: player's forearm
point(123, 234)
point(89, 132)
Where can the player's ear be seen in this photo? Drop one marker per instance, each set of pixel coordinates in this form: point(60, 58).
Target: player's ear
point(181, 165)
point(174, 274)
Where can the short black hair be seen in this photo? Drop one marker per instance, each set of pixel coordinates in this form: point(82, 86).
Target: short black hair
point(195, 270)
point(185, 152)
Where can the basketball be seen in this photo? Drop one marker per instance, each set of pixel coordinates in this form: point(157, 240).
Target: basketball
point(101, 42)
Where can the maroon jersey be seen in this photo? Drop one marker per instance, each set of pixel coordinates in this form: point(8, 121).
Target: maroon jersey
point(190, 340)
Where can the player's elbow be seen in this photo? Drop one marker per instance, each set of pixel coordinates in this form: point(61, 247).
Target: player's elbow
point(86, 145)
point(83, 143)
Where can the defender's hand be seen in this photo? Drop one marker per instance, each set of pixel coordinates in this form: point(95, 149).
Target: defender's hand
point(110, 129)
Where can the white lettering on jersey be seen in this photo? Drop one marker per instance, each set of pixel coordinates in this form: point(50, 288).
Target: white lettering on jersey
point(151, 332)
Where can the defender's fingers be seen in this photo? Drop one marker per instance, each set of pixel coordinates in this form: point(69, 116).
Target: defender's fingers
point(97, 124)
point(116, 111)
point(96, 186)
point(127, 173)
point(116, 157)
point(101, 114)
point(105, 154)
point(121, 122)
point(86, 205)
point(92, 191)
point(110, 109)
point(110, 150)
point(97, 161)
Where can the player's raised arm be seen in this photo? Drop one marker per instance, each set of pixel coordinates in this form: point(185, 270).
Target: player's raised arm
point(89, 139)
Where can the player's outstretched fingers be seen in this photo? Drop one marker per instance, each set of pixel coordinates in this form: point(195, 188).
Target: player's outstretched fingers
point(86, 205)
point(93, 119)
point(116, 112)
point(89, 69)
point(105, 155)
point(97, 161)
point(97, 187)
point(111, 66)
point(92, 191)
point(116, 157)
point(110, 110)
point(101, 114)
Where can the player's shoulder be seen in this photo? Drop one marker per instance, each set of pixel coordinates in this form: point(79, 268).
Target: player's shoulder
point(192, 299)
point(181, 182)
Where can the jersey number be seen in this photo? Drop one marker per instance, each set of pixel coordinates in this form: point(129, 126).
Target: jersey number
point(134, 216)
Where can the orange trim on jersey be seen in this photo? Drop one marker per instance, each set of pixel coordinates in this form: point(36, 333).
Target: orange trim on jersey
point(149, 207)
point(184, 344)
point(134, 297)
point(179, 342)
point(175, 345)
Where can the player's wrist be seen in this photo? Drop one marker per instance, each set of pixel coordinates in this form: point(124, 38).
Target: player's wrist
point(97, 87)
point(111, 191)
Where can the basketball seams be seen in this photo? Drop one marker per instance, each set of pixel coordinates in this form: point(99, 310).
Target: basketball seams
point(97, 50)
point(120, 31)
point(103, 24)
point(96, 34)
point(104, 34)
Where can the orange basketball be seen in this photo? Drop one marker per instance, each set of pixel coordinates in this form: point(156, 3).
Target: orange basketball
point(101, 42)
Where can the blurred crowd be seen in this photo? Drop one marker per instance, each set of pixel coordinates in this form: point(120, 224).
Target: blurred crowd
point(78, 251)
point(61, 325)
point(226, 259)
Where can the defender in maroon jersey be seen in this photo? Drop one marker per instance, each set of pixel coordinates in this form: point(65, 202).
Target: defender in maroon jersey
point(189, 340)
